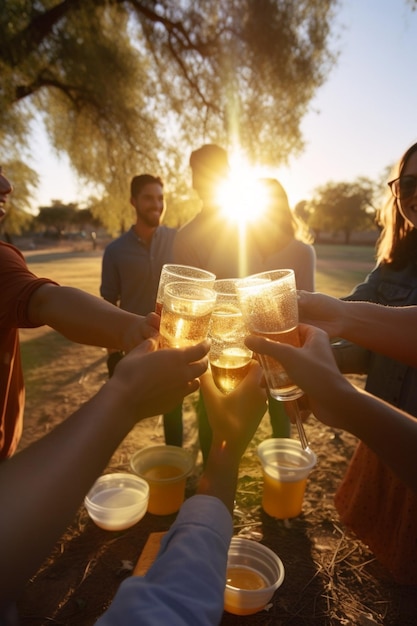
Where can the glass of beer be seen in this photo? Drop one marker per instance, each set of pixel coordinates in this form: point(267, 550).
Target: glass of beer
point(268, 302)
point(181, 273)
point(229, 357)
point(186, 314)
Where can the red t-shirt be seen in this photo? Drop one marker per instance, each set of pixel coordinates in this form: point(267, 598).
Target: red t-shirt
point(17, 285)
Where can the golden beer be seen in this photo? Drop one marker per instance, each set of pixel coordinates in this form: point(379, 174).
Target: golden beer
point(165, 496)
point(180, 330)
point(230, 367)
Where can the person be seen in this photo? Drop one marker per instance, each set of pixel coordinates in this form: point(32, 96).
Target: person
point(387, 520)
point(5, 189)
point(393, 282)
point(209, 242)
point(285, 243)
point(131, 267)
point(186, 583)
point(43, 473)
point(29, 301)
point(288, 244)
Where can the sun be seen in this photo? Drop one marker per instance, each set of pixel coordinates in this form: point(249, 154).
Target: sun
point(242, 198)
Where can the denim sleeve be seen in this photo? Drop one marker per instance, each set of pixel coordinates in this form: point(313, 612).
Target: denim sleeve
point(185, 585)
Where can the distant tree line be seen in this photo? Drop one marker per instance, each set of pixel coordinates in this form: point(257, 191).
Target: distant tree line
point(337, 208)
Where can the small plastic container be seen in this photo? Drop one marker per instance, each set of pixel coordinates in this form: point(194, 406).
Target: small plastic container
point(165, 468)
point(254, 573)
point(117, 501)
point(285, 468)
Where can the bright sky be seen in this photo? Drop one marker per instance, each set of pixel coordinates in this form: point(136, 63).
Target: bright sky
point(362, 120)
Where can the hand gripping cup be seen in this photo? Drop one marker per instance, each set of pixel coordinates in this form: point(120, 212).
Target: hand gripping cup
point(285, 468)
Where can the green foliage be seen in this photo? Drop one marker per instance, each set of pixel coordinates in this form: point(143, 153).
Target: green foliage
point(64, 217)
point(341, 207)
point(127, 86)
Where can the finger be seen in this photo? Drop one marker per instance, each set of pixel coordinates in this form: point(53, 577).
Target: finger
point(147, 346)
point(262, 345)
point(192, 386)
point(153, 320)
point(197, 352)
point(198, 368)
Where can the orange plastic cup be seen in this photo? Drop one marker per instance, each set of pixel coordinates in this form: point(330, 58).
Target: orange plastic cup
point(285, 468)
point(165, 468)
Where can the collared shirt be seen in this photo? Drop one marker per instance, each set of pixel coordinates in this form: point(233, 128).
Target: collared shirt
point(185, 585)
point(131, 269)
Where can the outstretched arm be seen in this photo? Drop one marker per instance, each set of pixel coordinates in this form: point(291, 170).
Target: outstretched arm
point(234, 419)
point(186, 582)
point(389, 432)
point(42, 486)
point(383, 329)
point(84, 318)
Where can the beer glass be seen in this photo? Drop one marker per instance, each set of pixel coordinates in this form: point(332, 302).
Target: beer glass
point(268, 302)
point(181, 273)
point(229, 357)
point(185, 315)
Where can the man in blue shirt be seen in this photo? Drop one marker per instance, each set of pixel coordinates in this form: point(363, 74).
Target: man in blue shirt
point(132, 265)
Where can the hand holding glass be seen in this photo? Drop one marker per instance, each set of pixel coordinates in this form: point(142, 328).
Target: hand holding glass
point(229, 357)
point(268, 302)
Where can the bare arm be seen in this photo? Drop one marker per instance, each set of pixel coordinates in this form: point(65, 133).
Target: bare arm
point(306, 272)
point(85, 318)
point(42, 486)
point(389, 432)
point(387, 330)
point(234, 419)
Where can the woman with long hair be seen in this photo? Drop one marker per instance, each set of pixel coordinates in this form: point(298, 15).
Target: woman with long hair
point(286, 244)
point(371, 500)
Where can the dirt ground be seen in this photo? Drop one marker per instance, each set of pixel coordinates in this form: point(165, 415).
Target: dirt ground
point(330, 577)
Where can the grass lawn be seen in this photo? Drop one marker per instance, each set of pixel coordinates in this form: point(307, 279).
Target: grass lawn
point(339, 268)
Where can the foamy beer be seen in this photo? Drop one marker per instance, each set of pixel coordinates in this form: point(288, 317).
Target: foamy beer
point(186, 314)
point(181, 273)
point(268, 302)
point(229, 357)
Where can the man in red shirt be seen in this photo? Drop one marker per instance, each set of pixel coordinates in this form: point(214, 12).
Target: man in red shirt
point(28, 301)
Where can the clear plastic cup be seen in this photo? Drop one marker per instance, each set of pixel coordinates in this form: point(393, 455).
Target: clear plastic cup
point(254, 573)
point(185, 315)
point(181, 273)
point(117, 501)
point(165, 468)
point(285, 468)
point(269, 306)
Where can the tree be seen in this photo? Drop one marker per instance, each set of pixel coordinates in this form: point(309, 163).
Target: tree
point(57, 218)
point(341, 207)
point(124, 86)
point(62, 220)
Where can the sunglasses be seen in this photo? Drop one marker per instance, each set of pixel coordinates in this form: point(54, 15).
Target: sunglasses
point(403, 187)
